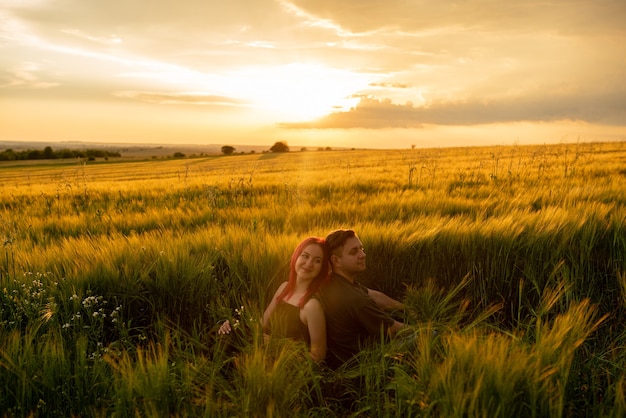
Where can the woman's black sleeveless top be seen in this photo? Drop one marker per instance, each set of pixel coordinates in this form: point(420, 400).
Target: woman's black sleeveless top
point(285, 323)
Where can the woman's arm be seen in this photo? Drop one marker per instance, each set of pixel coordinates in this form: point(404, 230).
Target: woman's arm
point(272, 305)
point(313, 317)
point(226, 327)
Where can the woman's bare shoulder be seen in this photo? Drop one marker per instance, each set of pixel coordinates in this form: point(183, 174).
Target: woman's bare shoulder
point(280, 289)
point(313, 304)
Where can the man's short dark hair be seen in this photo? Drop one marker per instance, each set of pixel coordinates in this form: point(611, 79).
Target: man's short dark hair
point(336, 240)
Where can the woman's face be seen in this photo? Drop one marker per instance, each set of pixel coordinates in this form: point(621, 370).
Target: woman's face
point(309, 262)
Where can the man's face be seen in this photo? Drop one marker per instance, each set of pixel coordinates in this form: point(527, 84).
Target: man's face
point(352, 259)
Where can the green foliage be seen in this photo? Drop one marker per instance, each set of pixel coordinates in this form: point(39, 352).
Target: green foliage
point(49, 154)
point(510, 260)
point(228, 150)
point(280, 146)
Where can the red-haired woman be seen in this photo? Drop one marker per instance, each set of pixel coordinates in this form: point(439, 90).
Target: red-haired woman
point(294, 311)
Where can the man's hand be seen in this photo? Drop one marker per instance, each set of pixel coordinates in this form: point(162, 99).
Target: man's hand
point(395, 328)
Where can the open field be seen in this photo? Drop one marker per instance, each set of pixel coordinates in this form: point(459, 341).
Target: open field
point(115, 274)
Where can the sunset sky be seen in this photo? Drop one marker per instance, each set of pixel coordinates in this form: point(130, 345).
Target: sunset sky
point(354, 73)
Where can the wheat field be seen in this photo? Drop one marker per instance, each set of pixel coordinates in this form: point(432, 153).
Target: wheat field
point(510, 260)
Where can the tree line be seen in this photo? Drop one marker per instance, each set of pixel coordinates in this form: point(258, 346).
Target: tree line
point(49, 154)
point(280, 146)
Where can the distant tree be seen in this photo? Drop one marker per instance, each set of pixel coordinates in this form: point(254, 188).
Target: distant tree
point(48, 154)
point(33, 155)
point(303, 149)
point(328, 149)
point(228, 150)
point(65, 153)
point(8, 155)
point(280, 146)
point(179, 155)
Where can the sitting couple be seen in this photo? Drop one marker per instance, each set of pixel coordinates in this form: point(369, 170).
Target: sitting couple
point(330, 311)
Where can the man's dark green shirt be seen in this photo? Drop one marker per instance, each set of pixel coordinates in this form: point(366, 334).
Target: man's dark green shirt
point(352, 319)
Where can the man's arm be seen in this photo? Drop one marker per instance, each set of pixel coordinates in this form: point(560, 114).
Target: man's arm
point(393, 330)
point(385, 302)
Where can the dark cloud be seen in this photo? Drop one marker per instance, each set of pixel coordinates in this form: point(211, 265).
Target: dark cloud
point(608, 109)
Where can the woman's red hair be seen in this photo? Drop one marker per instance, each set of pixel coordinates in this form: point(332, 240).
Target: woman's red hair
point(317, 281)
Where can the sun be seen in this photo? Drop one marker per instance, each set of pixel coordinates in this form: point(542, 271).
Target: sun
point(299, 92)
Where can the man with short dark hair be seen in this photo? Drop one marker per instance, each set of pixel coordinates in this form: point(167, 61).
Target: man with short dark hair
point(355, 315)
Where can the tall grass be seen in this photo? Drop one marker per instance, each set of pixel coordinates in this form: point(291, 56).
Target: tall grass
point(510, 260)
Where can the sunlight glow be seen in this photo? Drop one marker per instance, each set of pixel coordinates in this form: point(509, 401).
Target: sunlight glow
point(288, 93)
point(298, 92)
